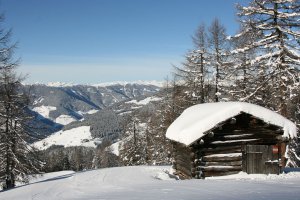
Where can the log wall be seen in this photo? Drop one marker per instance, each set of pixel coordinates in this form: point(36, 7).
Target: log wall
point(183, 161)
point(222, 150)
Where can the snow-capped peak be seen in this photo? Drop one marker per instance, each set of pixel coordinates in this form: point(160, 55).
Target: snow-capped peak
point(153, 82)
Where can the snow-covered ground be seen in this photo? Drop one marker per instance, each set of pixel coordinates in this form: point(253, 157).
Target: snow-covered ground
point(129, 183)
point(145, 101)
point(44, 110)
point(93, 111)
point(65, 119)
point(80, 136)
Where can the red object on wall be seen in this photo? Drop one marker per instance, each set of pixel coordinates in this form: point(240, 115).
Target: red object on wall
point(275, 149)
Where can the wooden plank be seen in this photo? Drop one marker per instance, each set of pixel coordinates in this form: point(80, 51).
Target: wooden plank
point(254, 159)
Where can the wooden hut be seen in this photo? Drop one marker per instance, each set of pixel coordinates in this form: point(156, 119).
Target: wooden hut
point(215, 139)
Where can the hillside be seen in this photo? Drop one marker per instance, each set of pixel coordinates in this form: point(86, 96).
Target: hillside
point(63, 106)
point(153, 183)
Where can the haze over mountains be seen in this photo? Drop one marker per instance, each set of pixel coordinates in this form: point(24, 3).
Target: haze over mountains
point(83, 115)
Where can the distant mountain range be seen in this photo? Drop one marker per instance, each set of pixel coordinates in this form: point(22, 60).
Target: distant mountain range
point(98, 109)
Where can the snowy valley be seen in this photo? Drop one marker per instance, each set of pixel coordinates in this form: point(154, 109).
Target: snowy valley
point(71, 110)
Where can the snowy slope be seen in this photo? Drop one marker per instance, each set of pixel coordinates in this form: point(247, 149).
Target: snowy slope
point(129, 183)
point(80, 136)
point(144, 101)
point(44, 110)
point(65, 119)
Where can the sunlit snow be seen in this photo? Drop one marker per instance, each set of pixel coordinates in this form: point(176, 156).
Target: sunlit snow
point(80, 136)
point(65, 119)
point(44, 110)
point(144, 101)
point(151, 183)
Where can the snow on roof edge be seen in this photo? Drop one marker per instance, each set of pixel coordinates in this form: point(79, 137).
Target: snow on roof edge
point(196, 120)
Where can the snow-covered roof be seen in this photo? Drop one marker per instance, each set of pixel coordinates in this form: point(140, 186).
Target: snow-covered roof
point(196, 120)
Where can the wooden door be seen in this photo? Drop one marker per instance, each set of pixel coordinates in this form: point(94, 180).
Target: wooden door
point(260, 159)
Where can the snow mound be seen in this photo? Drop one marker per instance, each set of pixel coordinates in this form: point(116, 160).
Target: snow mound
point(44, 110)
point(80, 136)
point(196, 120)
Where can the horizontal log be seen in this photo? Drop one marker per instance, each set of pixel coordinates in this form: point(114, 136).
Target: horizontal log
point(213, 173)
point(241, 137)
point(230, 163)
point(226, 151)
point(217, 142)
point(220, 148)
point(221, 168)
point(224, 155)
point(221, 159)
point(256, 131)
point(242, 142)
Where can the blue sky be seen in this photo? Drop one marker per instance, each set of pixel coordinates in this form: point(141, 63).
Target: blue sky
point(93, 41)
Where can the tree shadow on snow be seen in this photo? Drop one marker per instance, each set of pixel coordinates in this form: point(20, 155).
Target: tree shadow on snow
point(42, 181)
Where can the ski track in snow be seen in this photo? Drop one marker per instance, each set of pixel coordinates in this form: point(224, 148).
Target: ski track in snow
point(130, 183)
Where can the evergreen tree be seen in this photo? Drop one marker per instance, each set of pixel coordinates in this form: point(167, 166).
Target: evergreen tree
point(133, 147)
point(17, 158)
point(244, 76)
point(16, 154)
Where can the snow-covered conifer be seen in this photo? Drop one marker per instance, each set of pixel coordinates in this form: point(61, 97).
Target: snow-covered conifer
point(219, 62)
point(17, 158)
point(277, 23)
